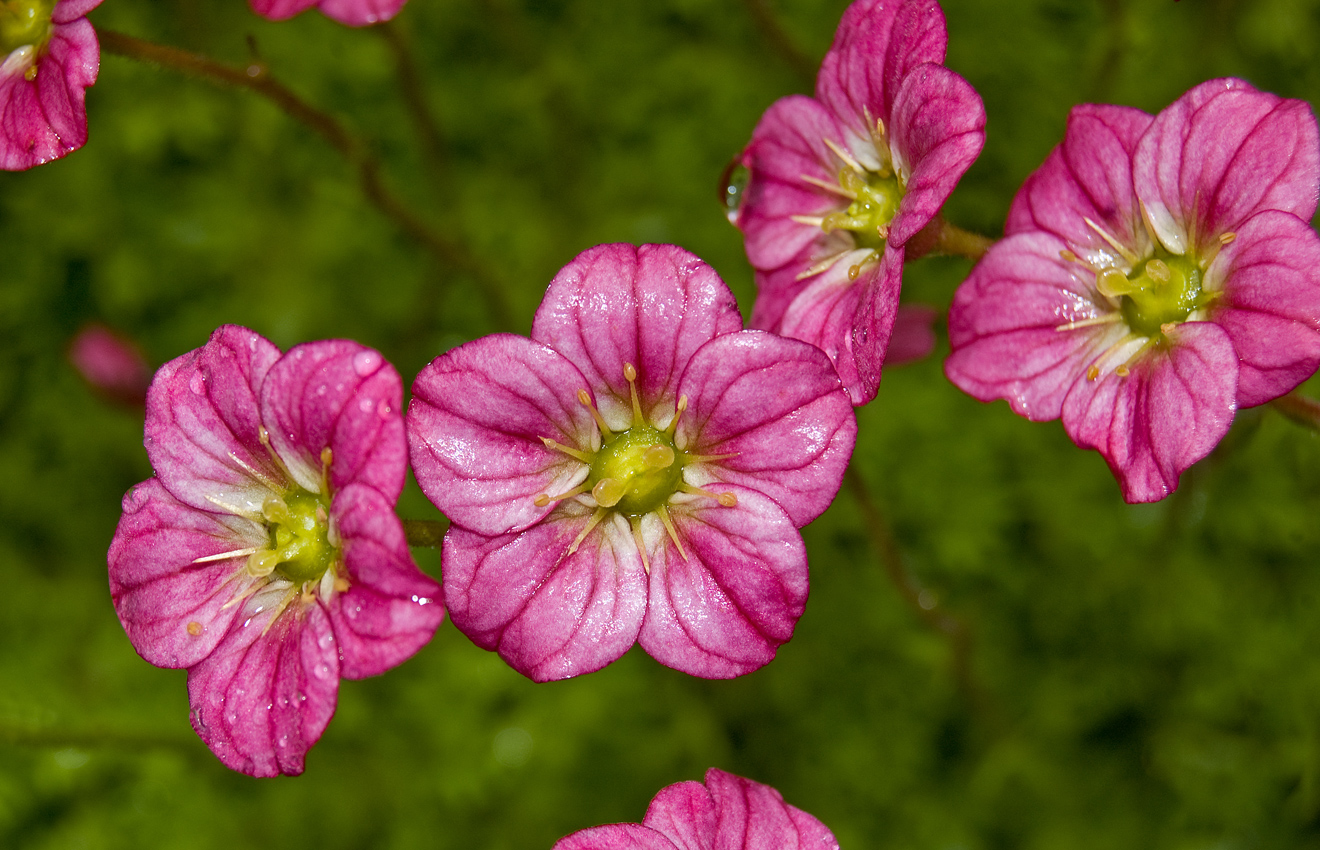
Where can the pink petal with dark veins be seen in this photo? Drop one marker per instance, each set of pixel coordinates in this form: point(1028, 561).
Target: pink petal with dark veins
point(475, 426)
point(266, 693)
point(391, 609)
point(777, 406)
point(615, 836)
point(550, 614)
point(361, 13)
point(725, 608)
point(280, 10)
point(753, 816)
point(1174, 407)
point(651, 306)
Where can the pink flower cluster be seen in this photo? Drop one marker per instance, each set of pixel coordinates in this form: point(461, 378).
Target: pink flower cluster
point(355, 13)
point(838, 184)
point(1158, 273)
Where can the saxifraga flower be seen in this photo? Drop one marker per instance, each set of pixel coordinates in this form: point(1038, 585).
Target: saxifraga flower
point(354, 13)
point(1158, 274)
point(727, 813)
point(838, 184)
point(50, 57)
point(635, 472)
point(265, 556)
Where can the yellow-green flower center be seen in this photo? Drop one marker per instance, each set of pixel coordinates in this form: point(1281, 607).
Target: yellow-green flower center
point(876, 198)
point(299, 527)
point(1163, 290)
point(636, 471)
point(25, 23)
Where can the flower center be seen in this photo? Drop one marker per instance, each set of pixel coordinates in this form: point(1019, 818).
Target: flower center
point(875, 203)
point(299, 526)
point(1163, 290)
point(635, 471)
point(24, 23)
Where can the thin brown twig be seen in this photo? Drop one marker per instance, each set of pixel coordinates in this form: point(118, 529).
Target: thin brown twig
point(941, 237)
point(256, 77)
point(1299, 408)
point(780, 41)
point(427, 533)
point(922, 602)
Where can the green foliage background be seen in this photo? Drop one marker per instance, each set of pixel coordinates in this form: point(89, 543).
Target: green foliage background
point(1137, 676)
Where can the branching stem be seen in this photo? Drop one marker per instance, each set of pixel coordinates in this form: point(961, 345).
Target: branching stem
point(1300, 409)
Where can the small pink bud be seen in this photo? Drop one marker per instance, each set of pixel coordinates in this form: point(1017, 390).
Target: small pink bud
point(111, 364)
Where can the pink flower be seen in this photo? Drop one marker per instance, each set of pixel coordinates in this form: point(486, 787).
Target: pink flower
point(355, 13)
point(51, 57)
point(635, 472)
point(111, 365)
point(727, 813)
point(913, 337)
point(1159, 273)
point(837, 184)
point(265, 555)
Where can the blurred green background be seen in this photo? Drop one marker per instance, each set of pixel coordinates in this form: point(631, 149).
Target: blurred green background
point(1134, 676)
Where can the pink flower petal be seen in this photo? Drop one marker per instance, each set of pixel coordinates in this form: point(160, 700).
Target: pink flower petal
point(615, 836)
point(685, 814)
point(391, 609)
point(913, 337)
point(1003, 326)
point(340, 395)
point(651, 306)
point(266, 693)
point(202, 423)
point(66, 11)
point(753, 816)
point(1174, 407)
point(1089, 176)
point(44, 119)
point(787, 145)
point(158, 587)
point(1270, 304)
point(777, 405)
point(111, 364)
point(280, 10)
point(724, 609)
point(937, 131)
point(878, 42)
point(361, 13)
point(1222, 152)
point(549, 613)
point(475, 426)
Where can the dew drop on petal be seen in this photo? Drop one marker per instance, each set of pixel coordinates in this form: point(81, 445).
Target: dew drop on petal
point(365, 405)
point(383, 410)
point(366, 362)
point(322, 671)
point(197, 383)
point(321, 389)
point(326, 641)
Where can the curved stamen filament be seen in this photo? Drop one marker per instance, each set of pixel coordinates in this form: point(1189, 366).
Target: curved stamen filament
point(844, 156)
point(726, 499)
point(224, 556)
point(1106, 319)
point(808, 220)
point(1122, 250)
point(636, 524)
point(819, 266)
point(543, 499)
point(678, 411)
point(599, 515)
point(584, 398)
point(264, 436)
point(630, 375)
point(663, 513)
point(855, 270)
point(279, 609)
point(829, 187)
point(585, 457)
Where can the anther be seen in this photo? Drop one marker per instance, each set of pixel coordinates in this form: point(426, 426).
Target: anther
point(630, 375)
point(1168, 328)
point(1225, 238)
point(194, 628)
point(30, 74)
point(1122, 371)
point(727, 499)
point(882, 230)
point(326, 456)
point(608, 492)
point(571, 452)
point(1093, 372)
point(1159, 271)
point(658, 456)
point(584, 398)
point(543, 499)
point(1068, 256)
point(678, 411)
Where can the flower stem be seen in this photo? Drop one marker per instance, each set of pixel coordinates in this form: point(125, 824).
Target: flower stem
point(941, 237)
point(256, 77)
point(922, 602)
point(1300, 409)
point(426, 533)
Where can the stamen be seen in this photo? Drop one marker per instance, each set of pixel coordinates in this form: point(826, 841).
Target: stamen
point(828, 186)
point(1122, 371)
point(608, 492)
point(599, 515)
point(224, 556)
point(843, 155)
point(678, 411)
point(1123, 251)
point(326, 457)
point(855, 270)
point(1149, 224)
point(194, 628)
point(1159, 271)
point(279, 609)
point(584, 398)
point(658, 456)
point(809, 220)
point(727, 499)
point(264, 436)
point(663, 513)
point(1112, 283)
point(258, 474)
point(630, 375)
point(247, 591)
point(636, 524)
point(1225, 238)
point(1106, 319)
point(571, 452)
point(819, 266)
point(1092, 372)
point(231, 509)
point(1068, 256)
point(687, 458)
point(543, 499)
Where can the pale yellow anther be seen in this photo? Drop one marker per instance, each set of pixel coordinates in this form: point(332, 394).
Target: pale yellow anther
point(541, 500)
point(584, 398)
point(1068, 256)
point(194, 628)
point(882, 231)
point(630, 375)
point(1168, 328)
point(658, 456)
point(629, 372)
point(608, 492)
point(1159, 271)
point(1122, 371)
point(728, 500)
point(1093, 372)
point(678, 411)
point(1225, 238)
point(326, 456)
point(341, 584)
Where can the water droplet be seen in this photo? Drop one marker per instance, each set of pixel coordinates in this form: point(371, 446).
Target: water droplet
point(326, 641)
point(366, 362)
point(197, 383)
point(252, 343)
point(365, 405)
point(383, 410)
point(321, 389)
point(734, 189)
point(322, 671)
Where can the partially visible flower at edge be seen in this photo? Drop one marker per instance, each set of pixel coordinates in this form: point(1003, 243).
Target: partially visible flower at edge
point(111, 365)
point(265, 556)
point(354, 13)
point(636, 472)
point(1158, 274)
point(728, 813)
point(50, 57)
point(913, 337)
point(836, 185)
